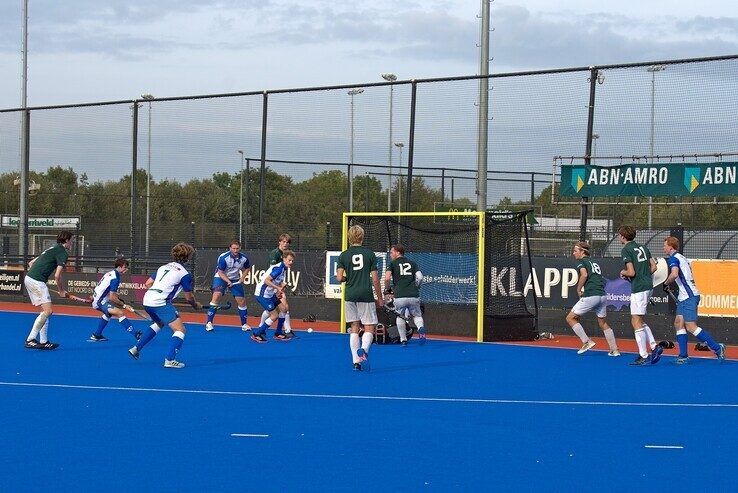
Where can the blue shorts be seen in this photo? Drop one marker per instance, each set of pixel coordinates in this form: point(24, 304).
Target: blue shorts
point(162, 315)
point(269, 304)
point(220, 285)
point(104, 307)
point(688, 308)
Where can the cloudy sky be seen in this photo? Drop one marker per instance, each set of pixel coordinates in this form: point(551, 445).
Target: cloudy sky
point(92, 50)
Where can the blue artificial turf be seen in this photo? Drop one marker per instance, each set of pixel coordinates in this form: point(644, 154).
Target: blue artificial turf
point(444, 416)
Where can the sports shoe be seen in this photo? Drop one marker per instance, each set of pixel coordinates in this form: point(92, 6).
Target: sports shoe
point(721, 352)
point(284, 336)
point(31, 344)
point(357, 366)
point(403, 343)
point(656, 354)
point(134, 352)
point(173, 363)
point(421, 336)
point(258, 338)
point(586, 346)
point(209, 327)
point(98, 338)
point(681, 360)
point(614, 353)
point(245, 327)
point(640, 361)
point(138, 335)
point(364, 357)
point(47, 345)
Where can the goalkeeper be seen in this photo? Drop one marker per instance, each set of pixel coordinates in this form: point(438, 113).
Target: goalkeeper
point(405, 276)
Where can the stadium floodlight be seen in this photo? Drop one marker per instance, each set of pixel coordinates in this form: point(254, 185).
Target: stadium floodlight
point(352, 93)
point(148, 97)
point(399, 145)
point(390, 78)
point(240, 199)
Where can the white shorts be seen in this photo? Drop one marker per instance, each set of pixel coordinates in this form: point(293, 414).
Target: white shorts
point(598, 304)
point(409, 305)
point(639, 302)
point(364, 312)
point(37, 291)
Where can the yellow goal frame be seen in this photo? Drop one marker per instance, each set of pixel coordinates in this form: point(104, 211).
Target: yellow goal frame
point(480, 220)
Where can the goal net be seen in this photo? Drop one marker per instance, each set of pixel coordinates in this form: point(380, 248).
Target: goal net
point(449, 248)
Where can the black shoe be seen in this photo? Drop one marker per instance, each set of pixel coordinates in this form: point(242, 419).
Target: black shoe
point(284, 336)
point(357, 366)
point(31, 344)
point(47, 346)
point(258, 338)
point(640, 361)
point(98, 338)
point(666, 344)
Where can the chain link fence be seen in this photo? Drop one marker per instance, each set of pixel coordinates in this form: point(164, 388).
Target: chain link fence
point(253, 165)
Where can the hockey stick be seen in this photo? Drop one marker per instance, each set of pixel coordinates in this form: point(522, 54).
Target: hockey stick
point(69, 296)
point(140, 313)
point(226, 306)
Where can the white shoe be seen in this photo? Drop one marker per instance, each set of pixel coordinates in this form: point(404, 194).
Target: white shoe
point(245, 327)
point(614, 352)
point(173, 363)
point(586, 346)
point(209, 327)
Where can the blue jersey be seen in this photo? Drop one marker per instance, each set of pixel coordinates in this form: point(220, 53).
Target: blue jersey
point(109, 283)
point(685, 279)
point(277, 273)
point(169, 280)
point(232, 266)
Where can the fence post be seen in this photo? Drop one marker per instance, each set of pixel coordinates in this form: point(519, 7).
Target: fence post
point(532, 189)
point(264, 108)
point(593, 74)
point(134, 189)
point(76, 249)
point(23, 191)
point(327, 235)
point(193, 243)
point(411, 148)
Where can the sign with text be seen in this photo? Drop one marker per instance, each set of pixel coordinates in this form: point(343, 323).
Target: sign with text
point(11, 281)
point(41, 222)
point(716, 281)
point(647, 180)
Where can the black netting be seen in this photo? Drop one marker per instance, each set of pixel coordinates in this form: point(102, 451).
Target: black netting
point(506, 311)
point(446, 250)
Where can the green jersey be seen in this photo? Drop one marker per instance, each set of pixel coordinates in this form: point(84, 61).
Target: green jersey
point(640, 257)
point(403, 277)
point(358, 262)
point(275, 256)
point(595, 283)
point(47, 262)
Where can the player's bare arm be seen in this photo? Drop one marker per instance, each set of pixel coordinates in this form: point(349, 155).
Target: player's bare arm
point(582, 280)
point(60, 284)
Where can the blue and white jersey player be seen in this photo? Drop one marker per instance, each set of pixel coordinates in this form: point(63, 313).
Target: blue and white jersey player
point(270, 295)
point(163, 286)
point(688, 299)
point(229, 274)
point(106, 301)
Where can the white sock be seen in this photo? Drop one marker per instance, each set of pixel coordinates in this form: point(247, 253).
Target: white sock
point(37, 324)
point(43, 337)
point(354, 345)
point(402, 329)
point(641, 340)
point(264, 317)
point(579, 331)
point(366, 341)
point(610, 336)
point(287, 324)
point(649, 335)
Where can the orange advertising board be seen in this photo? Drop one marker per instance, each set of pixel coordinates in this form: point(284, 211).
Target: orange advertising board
point(716, 280)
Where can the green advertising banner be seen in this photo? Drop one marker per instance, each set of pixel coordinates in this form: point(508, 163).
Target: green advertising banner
point(649, 180)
